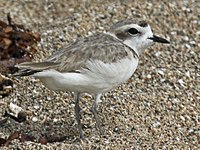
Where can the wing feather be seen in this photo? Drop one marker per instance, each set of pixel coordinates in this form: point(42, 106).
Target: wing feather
point(102, 47)
point(75, 56)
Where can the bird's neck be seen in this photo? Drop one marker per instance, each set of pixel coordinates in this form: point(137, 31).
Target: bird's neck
point(127, 43)
point(130, 44)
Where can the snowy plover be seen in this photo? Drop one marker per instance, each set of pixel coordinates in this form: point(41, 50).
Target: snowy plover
point(95, 64)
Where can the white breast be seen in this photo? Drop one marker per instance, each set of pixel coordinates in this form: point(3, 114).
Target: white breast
point(98, 78)
point(110, 75)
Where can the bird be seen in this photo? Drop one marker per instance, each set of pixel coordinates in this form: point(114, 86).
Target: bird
point(94, 64)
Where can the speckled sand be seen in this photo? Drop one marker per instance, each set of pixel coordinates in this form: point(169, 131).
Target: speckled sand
point(158, 108)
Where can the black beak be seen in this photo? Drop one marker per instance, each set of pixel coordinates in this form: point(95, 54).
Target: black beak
point(158, 39)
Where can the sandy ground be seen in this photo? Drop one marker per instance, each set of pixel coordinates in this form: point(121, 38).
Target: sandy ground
point(158, 108)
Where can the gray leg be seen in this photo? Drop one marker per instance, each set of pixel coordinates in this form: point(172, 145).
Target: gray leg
point(77, 112)
point(94, 111)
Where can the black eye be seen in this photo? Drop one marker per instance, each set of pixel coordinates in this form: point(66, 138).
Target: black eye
point(133, 31)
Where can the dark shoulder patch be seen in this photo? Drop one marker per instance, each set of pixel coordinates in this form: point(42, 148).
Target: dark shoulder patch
point(121, 35)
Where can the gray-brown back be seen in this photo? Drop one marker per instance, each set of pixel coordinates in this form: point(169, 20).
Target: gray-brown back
point(101, 46)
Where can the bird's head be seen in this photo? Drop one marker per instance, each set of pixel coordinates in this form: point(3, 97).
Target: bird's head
point(136, 34)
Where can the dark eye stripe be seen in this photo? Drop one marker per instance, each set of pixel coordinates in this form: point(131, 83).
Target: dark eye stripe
point(133, 31)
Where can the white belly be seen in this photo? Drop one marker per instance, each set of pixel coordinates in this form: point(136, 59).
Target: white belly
point(98, 78)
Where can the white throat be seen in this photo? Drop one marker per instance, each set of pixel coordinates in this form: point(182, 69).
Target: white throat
point(130, 44)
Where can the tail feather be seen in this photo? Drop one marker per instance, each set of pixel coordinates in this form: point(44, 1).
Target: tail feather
point(37, 65)
point(29, 68)
point(25, 73)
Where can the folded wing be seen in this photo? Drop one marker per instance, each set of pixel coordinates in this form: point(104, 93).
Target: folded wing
point(75, 56)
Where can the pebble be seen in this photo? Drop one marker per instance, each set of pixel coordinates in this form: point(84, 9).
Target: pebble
point(34, 119)
point(187, 46)
point(181, 82)
point(188, 74)
point(36, 107)
point(148, 76)
point(160, 72)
